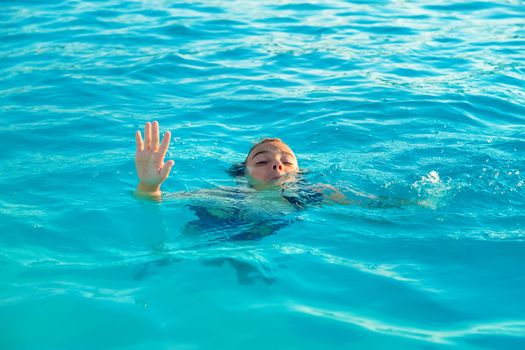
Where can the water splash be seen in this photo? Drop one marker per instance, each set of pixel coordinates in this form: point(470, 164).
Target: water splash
point(431, 191)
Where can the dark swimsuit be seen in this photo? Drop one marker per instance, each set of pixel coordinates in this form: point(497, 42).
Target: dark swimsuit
point(238, 226)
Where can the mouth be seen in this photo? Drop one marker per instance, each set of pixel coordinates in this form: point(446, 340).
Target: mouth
point(280, 179)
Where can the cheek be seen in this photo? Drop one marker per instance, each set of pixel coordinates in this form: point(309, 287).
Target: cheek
point(258, 173)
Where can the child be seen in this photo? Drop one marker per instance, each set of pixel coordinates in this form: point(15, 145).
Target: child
point(275, 189)
point(270, 164)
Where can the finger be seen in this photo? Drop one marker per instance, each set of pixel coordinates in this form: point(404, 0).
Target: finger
point(165, 171)
point(164, 145)
point(155, 137)
point(140, 143)
point(147, 136)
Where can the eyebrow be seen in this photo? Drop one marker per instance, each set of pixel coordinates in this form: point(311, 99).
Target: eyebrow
point(256, 154)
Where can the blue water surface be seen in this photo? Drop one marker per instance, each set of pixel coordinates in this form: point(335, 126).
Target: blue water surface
point(420, 104)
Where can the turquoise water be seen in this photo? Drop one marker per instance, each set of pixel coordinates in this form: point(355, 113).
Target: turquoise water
point(418, 103)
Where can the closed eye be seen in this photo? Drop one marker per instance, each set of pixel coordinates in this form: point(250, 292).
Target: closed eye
point(261, 162)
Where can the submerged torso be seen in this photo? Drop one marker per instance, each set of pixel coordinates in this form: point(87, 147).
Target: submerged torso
point(240, 213)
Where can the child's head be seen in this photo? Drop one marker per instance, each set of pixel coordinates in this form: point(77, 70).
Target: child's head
point(270, 160)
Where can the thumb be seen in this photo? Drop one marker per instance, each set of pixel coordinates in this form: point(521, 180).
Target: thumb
point(165, 171)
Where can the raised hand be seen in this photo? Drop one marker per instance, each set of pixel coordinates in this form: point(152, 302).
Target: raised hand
point(149, 159)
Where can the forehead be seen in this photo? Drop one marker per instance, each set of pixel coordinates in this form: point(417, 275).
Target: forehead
point(273, 147)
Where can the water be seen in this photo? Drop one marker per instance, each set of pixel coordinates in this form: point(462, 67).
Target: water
point(420, 104)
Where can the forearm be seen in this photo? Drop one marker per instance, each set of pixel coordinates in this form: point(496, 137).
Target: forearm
point(332, 194)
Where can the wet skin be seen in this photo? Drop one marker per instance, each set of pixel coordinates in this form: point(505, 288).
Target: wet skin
point(270, 162)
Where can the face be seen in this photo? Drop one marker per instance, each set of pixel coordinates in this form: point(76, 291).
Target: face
point(270, 162)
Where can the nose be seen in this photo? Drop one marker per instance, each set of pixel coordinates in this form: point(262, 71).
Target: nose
point(278, 166)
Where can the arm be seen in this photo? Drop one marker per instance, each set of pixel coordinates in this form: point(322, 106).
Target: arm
point(149, 160)
point(332, 194)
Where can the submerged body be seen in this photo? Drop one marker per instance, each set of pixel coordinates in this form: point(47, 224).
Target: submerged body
point(274, 188)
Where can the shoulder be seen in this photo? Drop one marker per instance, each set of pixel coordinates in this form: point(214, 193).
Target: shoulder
point(303, 194)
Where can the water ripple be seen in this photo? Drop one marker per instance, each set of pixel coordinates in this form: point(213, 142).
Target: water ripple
point(509, 328)
point(414, 110)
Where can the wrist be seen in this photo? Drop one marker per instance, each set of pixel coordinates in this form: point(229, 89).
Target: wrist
point(153, 189)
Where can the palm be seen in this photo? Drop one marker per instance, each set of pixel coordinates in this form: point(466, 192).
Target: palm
point(149, 158)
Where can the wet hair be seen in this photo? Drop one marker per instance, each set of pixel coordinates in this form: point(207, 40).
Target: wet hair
point(265, 140)
point(239, 169)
